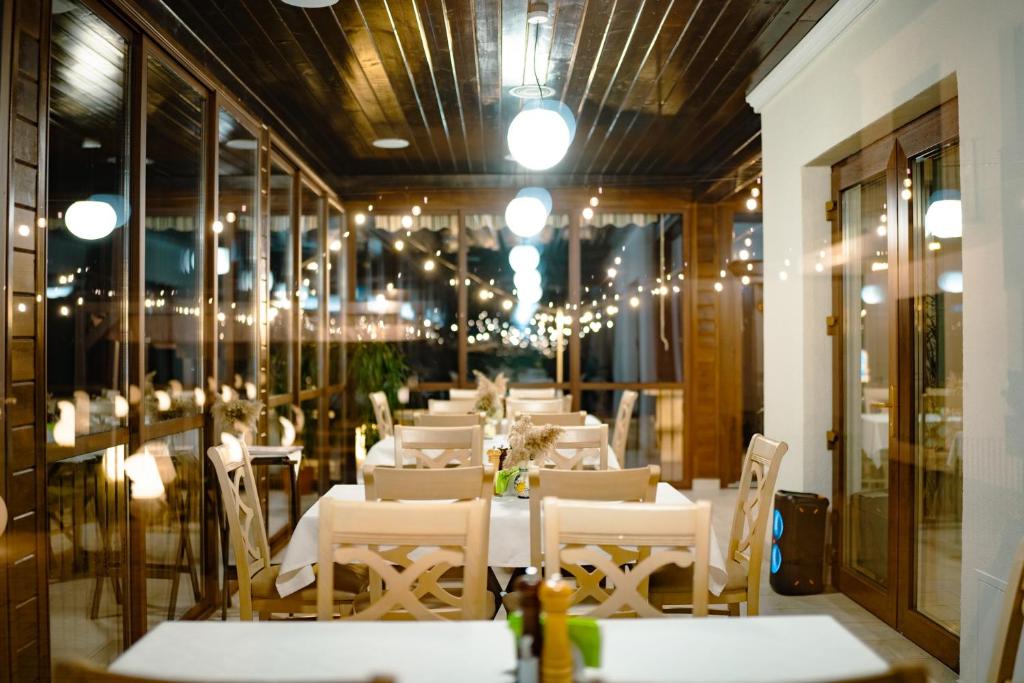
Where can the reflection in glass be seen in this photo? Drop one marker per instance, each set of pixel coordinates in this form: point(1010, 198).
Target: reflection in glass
point(309, 435)
point(631, 303)
point(747, 265)
point(866, 367)
point(85, 279)
point(518, 320)
point(310, 287)
point(173, 243)
point(238, 173)
point(173, 528)
point(281, 283)
point(86, 510)
point(407, 291)
point(938, 385)
point(338, 295)
point(656, 431)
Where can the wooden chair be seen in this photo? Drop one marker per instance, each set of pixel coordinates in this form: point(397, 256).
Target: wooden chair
point(434, 447)
point(382, 413)
point(445, 420)
point(3, 517)
point(86, 672)
point(577, 419)
point(899, 674)
point(623, 420)
point(257, 590)
point(529, 393)
point(403, 585)
point(746, 539)
point(1010, 624)
point(462, 394)
point(437, 406)
point(635, 485)
point(608, 536)
point(516, 406)
point(452, 483)
point(581, 442)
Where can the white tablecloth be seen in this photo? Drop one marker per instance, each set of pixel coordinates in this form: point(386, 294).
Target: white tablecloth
point(383, 452)
point(755, 650)
point(509, 538)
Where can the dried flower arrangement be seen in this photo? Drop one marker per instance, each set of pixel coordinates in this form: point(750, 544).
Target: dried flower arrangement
point(528, 443)
point(489, 394)
point(236, 412)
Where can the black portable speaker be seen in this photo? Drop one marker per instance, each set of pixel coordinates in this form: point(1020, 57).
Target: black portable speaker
point(798, 543)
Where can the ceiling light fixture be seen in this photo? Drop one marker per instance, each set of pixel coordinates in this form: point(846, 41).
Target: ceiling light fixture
point(537, 12)
point(527, 213)
point(524, 257)
point(540, 134)
point(310, 4)
point(944, 217)
point(90, 220)
point(390, 143)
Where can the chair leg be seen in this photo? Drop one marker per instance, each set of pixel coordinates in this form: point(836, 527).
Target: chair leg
point(97, 594)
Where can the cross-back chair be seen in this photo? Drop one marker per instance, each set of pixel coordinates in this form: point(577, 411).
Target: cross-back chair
point(575, 445)
point(533, 393)
point(407, 547)
point(623, 421)
point(462, 394)
point(1011, 623)
point(256, 576)
point(746, 538)
point(516, 406)
point(575, 419)
point(446, 420)
point(433, 447)
point(450, 483)
point(638, 485)
point(382, 413)
point(611, 549)
point(439, 406)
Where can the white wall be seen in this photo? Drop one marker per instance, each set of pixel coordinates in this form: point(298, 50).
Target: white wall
point(893, 51)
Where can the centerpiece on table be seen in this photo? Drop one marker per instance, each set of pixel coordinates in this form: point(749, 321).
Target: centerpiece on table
point(527, 443)
point(236, 417)
point(490, 399)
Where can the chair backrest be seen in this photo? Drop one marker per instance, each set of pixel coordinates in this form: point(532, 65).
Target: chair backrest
point(462, 394)
point(433, 447)
point(577, 419)
point(638, 485)
point(382, 413)
point(607, 536)
point(529, 393)
point(623, 420)
point(516, 406)
point(577, 443)
point(445, 420)
point(460, 407)
point(384, 535)
point(451, 483)
point(241, 503)
point(86, 672)
point(1010, 624)
point(753, 508)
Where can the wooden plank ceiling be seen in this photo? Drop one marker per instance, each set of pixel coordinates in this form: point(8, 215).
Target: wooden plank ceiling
point(657, 86)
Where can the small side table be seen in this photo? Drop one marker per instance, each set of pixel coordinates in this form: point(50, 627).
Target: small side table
point(262, 456)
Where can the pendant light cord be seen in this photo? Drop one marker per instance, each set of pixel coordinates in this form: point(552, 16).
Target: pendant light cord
point(536, 77)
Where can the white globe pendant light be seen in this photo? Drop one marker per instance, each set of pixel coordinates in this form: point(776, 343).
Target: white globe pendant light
point(540, 135)
point(524, 257)
point(527, 213)
point(90, 220)
point(944, 217)
point(529, 296)
point(527, 280)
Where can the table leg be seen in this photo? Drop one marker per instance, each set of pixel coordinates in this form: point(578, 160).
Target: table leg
point(293, 483)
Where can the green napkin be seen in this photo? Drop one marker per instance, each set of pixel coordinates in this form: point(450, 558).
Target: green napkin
point(584, 633)
point(502, 481)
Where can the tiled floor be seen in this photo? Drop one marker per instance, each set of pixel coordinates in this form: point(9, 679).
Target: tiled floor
point(884, 640)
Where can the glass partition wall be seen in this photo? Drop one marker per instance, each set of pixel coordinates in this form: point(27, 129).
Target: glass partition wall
point(191, 259)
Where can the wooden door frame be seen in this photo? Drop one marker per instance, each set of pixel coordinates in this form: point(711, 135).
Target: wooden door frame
point(896, 604)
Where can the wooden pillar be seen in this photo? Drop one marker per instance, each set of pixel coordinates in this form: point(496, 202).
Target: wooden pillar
point(24, 646)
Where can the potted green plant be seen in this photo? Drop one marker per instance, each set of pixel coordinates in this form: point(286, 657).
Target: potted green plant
point(376, 366)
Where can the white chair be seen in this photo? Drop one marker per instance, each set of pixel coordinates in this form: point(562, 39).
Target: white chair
point(382, 413)
point(746, 539)
point(401, 586)
point(515, 406)
point(575, 445)
point(433, 447)
point(638, 485)
point(623, 420)
point(528, 394)
point(437, 406)
point(257, 589)
point(1011, 623)
point(607, 536)
point(462, 394)
point(451, 483)
point(577, 419)
point(446, 420)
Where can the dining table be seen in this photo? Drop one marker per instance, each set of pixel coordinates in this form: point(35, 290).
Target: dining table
point(769, 649)
point(508, 543)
